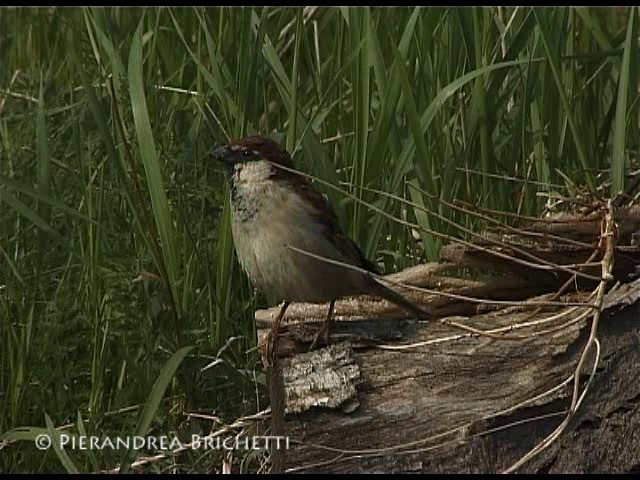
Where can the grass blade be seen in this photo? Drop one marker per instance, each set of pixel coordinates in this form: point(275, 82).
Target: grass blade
point(554, 64)
point(31, 215)
point(620, 122)
point(153, 402)
point(152, 167)
point(43, 198)
point(55, 437)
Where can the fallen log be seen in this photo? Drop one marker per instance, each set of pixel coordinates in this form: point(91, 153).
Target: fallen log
point(472, 391)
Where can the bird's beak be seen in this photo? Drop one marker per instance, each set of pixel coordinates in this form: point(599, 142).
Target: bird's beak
point(223, 154)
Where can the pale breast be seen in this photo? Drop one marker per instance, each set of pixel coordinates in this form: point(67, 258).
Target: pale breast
point(282, 218)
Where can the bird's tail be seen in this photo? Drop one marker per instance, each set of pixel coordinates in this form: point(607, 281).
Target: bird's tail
point(397, 299)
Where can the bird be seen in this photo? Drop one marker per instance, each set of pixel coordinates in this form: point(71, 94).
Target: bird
point(282, 228)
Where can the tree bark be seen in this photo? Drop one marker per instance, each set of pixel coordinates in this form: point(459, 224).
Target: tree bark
point(395, 395)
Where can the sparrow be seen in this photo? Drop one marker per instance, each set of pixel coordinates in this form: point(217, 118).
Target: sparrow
point(276, 211)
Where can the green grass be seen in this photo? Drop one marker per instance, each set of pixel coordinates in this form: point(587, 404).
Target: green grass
point(115, 243)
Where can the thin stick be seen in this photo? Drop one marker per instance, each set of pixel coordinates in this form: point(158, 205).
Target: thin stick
point(436, 292)
point(438, 234)
point(494, 331)
point(556, 295)
point(494, 221)
point(607, 240)
point(542, 261)
point(558, 431)
point(511, 179)
point(520, 217)
point(239, 423)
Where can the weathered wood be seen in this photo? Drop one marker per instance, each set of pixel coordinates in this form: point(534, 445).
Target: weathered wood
point(484, 383)
point(493, 287)
point(323, 378)
point(429, 408)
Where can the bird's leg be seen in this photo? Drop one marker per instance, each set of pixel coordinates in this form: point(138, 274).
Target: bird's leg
point(273, 334)
point(325, 328)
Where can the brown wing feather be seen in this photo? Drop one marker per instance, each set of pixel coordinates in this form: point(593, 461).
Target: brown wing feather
point(325, 214)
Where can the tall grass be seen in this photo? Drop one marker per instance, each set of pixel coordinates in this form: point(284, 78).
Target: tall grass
point(115, 242)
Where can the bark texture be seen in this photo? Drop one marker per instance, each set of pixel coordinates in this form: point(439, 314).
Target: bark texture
point(390, 394)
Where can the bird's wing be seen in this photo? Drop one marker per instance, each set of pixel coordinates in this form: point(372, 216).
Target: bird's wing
point(326, 216)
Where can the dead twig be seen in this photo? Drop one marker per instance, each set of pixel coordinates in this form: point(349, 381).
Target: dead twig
point(607, 242)
point(238, 424)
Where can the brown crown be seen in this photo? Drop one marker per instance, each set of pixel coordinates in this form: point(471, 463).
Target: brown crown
point(267, 148)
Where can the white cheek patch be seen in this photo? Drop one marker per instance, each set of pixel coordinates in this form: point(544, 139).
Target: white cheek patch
point(254, 171)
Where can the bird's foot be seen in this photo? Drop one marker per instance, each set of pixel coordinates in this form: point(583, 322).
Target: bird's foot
point(272, 336)
point(324, 332)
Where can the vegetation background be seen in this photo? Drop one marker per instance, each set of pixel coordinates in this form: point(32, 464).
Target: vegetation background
point(122, 308)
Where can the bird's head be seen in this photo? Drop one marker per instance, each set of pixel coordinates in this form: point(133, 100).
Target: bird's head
point(260, 155)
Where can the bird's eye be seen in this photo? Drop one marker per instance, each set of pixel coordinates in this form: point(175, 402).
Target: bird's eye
point(247, 153)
